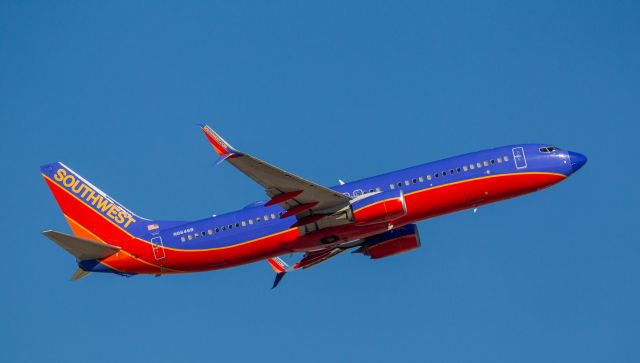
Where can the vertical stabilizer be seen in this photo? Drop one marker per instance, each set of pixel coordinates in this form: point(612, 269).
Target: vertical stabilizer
point(91, 213)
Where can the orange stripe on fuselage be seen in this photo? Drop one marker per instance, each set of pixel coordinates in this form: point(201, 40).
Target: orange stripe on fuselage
point(121, 261)
point(442, 199)
point(425, 203)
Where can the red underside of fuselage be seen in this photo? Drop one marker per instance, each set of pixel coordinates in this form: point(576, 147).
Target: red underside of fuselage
point(444, 199)
point(137, 256)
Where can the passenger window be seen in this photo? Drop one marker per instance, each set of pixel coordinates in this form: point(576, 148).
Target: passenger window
point(429, 177)
point(273, 216)
point(244, 224)
point(377, 189)
point(506, 158)
point(458, 170)
point(189, 237)
point(266, 218)
point(479, 165)
point(237, 225)
point(250, 221)
point(392, 186)
point(420, 179)
point(210, 232)
point(204, 233)
point(414, 180)
point(444, 173)
point(465, 168)
point(436, 175)
point(451, 171)
point(406, 182)
point(258, 219)
point(493, 161)
point(196, 235)
point(471, 166)
point(224, 228)
point(217, 230)
point(230, 226)
point(399, 184)
point(485, 163)
point(499, 160)
point(183, 239)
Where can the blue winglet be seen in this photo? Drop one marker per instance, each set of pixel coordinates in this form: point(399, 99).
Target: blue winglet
point(279, 277)
point(223, 158)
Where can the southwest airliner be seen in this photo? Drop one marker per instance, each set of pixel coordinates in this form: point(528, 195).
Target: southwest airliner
point(375, 216)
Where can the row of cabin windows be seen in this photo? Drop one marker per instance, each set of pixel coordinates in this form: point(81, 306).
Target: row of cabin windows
point(228, 227)
point(471, 166)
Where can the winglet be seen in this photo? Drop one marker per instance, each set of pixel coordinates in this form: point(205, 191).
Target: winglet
point(80, 273)
point(220, 146)
point(279, 277)
point(280, 267)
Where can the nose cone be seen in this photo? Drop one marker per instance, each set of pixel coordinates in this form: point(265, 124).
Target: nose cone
point(577, 160)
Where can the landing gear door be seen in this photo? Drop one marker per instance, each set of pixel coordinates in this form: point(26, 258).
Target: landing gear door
point(519, 158)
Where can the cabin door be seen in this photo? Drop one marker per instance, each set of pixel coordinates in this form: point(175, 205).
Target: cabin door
point(158, 248)
point(519, 158)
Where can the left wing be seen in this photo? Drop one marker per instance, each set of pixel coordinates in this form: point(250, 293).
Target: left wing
point(308, 201)
point(309, 259)
point(390, 243)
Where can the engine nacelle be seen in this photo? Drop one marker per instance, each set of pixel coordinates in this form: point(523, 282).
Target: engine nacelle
point(379, 207)
point(391, 243)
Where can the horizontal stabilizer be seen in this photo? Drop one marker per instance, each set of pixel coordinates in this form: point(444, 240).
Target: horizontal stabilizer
point(82, 249)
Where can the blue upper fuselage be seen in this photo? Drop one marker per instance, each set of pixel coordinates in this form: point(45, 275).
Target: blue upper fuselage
point(256, 220)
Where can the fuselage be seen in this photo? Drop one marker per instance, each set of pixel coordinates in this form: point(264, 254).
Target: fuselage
point(257, 232)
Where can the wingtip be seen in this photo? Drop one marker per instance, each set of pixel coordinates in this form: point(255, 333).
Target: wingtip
point(219, 144)
point(279, 277)
point(78, 274)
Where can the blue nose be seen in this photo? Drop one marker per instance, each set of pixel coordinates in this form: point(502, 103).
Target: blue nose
point(577, 160)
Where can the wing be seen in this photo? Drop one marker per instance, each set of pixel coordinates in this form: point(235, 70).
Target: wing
point(309, 259)
point(300, 197)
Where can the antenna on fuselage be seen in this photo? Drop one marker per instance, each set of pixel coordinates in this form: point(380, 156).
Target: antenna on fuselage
point(340, 181)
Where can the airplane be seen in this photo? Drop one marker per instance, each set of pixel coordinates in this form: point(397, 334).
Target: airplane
point(374, 216)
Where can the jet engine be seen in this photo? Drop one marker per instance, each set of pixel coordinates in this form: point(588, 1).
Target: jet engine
point(378, 208)
point(393, 242)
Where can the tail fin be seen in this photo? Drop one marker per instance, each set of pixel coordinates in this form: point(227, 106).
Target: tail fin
point(91, 213)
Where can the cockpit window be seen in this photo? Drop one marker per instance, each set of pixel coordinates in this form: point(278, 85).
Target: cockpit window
point(548, 149)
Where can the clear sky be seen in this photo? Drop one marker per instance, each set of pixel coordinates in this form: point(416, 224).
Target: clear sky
point(338, 90)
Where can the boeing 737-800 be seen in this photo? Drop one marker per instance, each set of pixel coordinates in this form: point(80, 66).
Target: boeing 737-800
point(375, 216)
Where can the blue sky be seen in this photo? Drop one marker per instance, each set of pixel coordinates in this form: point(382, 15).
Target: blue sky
point(327, 91)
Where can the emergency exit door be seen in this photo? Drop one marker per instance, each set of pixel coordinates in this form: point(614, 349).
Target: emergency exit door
point(519, 158)
point(158, 248)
